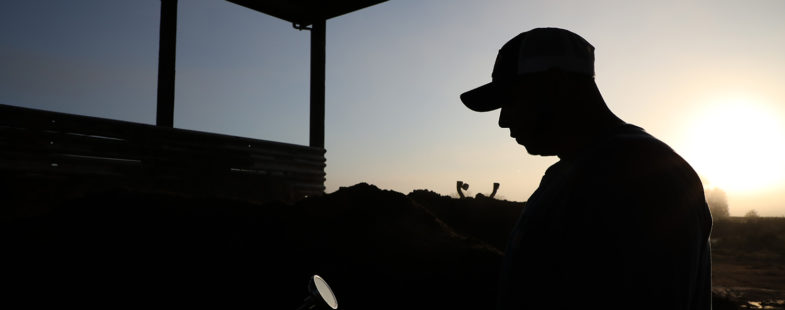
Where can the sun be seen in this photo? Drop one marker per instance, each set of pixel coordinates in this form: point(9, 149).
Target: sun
point(737, 145)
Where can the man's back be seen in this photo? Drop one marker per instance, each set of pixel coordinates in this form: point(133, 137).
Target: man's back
point(623, 223)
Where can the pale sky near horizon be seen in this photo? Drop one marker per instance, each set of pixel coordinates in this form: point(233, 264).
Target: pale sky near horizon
point(706, 77)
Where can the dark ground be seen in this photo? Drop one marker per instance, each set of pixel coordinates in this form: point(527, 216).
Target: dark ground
point(377, 249)
point(748, 261)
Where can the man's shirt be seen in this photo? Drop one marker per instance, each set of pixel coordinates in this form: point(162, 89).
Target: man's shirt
point(622, 224)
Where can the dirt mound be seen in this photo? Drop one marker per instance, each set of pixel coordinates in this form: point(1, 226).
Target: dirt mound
point(378, 249)
point(487, 219)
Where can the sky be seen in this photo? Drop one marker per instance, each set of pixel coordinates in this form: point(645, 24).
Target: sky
point(706, 77)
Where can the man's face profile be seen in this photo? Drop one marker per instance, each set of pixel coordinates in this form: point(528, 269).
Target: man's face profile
point(527, 111)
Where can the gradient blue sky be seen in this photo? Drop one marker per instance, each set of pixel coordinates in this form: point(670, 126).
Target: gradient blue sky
point(394, 73)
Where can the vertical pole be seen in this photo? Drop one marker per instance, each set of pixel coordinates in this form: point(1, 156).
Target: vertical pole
point(166, 63)
point(317, 83)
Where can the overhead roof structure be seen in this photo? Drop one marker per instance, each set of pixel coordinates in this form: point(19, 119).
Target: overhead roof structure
point(306, 12)
point(303, 14)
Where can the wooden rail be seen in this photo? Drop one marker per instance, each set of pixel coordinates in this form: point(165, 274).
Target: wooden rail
point(45, 145)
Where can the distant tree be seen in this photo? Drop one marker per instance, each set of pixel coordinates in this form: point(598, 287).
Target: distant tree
point(718, 202)
point(751, 213)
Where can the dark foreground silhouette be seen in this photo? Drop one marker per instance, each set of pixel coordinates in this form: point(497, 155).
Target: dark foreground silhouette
point(378, 249)
point(619, 217)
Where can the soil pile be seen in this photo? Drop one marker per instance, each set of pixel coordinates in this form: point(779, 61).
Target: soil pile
point(376, 248)
point(487, 219)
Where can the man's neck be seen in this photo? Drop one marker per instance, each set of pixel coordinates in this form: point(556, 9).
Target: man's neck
point(580, 137)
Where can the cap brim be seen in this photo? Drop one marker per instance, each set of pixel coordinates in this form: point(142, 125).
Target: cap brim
point(482, 99)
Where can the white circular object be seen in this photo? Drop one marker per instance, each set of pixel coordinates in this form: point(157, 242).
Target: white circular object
point(325, 292)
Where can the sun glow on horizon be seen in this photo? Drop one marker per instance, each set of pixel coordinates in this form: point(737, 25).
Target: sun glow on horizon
point(738, 144)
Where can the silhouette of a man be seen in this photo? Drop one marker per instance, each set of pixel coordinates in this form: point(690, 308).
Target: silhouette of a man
point(620, 221)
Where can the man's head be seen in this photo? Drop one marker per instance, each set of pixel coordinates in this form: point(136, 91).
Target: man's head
point(543, 81)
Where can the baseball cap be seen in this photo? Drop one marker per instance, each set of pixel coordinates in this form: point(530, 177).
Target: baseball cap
point(536, 50)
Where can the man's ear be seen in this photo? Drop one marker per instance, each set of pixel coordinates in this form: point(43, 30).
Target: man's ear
point(558, 88)
point(572, 89)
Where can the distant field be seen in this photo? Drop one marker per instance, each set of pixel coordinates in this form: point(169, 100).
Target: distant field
point(757, 240)
point(749, 261)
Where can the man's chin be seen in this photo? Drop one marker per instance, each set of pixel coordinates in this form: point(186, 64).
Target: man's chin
point(537, 151)
point(532, 150)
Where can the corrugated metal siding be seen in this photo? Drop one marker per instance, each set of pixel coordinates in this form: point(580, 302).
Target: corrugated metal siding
point(36, 143)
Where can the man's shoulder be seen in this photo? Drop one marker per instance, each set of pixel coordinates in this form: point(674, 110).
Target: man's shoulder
point(631, 138)
point(633, 167)
point(630, 153)
point(629, 144)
